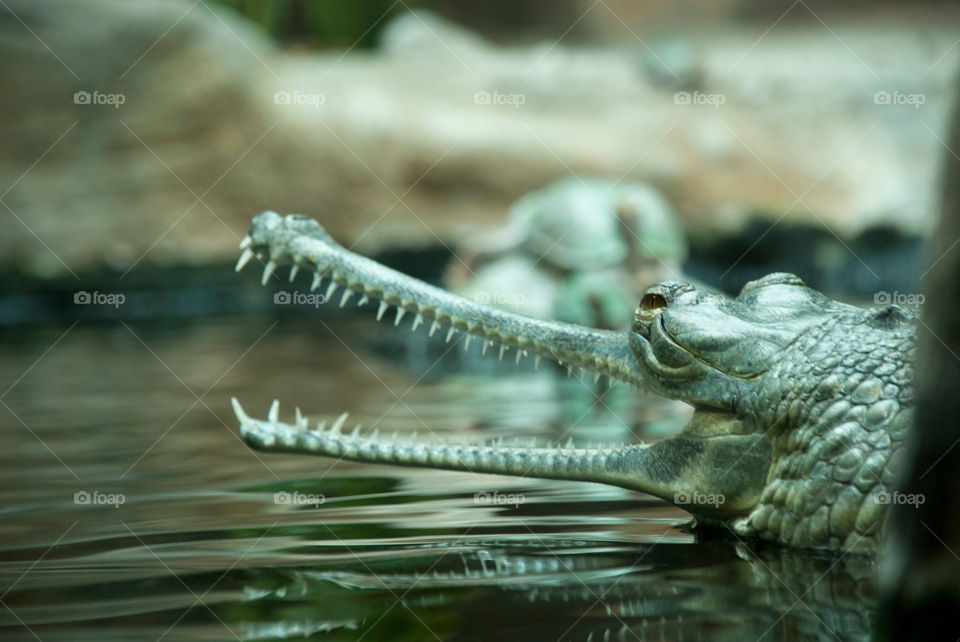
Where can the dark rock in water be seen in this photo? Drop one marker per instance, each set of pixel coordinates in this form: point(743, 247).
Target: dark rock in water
point(920, 575)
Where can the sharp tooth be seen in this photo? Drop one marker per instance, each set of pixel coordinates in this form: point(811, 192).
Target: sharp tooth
point(363, 300)
point(330, 290)
point(569, 370)
point(293, 272)
point(356, 432)
point(466, 342)
point(383, 308)
point(519, 354)
point(417, 321)
point(536, 362)
point(596, 377)
point(503, 348)
point(486, 344)
point(433, 327)
point(400, 313)
point(338, 424)
point(274, 413)
point(316, 281)
point(452, 331)
point(246, 242)
point(321, 426)
point(244, 258)
point(267, 271)
point(346, 297)
point(301, 420)
point(238, 410)
point(569, 443)
point(373, 435)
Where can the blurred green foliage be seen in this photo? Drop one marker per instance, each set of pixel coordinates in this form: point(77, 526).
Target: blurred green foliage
point(322, 23)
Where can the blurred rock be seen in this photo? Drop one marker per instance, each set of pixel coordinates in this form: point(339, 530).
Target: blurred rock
point(580, 250)
point(194, 122)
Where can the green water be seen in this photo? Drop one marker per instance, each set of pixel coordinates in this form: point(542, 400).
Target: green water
point(131, 509)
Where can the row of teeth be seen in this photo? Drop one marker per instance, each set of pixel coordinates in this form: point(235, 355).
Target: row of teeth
point(271, 266)
point(302, 424)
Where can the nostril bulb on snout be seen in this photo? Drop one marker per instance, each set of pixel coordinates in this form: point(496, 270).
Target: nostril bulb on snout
point(651, 304)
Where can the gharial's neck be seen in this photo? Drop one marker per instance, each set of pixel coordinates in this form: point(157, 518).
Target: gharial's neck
point(303, 243)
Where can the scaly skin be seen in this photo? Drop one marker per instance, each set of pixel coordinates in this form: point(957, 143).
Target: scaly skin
point(801, 402)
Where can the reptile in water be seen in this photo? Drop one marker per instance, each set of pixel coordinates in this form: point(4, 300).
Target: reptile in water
point(801, 403)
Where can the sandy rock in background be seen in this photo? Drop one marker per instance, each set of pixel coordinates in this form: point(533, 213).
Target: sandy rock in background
point(432, 137)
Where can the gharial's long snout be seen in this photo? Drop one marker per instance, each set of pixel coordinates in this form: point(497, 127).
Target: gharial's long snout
point(301, 242)
point(685, 466)
point(730, 469)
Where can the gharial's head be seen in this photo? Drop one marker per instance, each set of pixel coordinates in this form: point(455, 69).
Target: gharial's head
point(710, 350)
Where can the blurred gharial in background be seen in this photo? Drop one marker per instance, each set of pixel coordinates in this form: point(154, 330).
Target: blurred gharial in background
point(554, 158)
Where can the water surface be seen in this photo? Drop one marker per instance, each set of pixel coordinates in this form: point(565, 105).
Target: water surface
point(131, 509)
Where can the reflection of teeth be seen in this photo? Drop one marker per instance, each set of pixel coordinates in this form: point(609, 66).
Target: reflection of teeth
point(246, 242)
point(381, 310)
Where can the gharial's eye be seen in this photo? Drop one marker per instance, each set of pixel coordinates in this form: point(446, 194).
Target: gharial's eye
point(777, 278)
point(651, 304)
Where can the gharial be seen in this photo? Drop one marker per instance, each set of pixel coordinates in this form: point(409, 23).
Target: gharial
point(801, 403)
